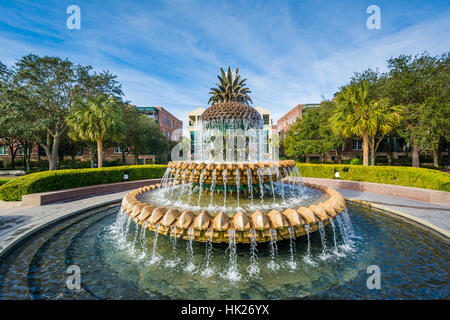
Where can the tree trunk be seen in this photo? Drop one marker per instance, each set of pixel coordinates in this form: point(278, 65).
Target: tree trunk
point(372, 151)
point(415, 156)
point(100, 152)
point(323, 157)
point(365, 149)
point(13, 157)
point(53, 161)
point(92, 154)
point(389, 150)
point(338, 156)
point(435, 159)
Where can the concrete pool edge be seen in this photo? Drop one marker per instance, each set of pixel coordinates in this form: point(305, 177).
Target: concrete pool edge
point(18, 238)
point(420, 221)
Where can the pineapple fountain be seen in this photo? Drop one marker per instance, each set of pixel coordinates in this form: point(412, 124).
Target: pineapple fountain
point(230, 191)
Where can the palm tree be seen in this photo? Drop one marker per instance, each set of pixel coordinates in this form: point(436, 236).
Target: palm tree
point(230, 88)
point(96, 119)
point(357, 115)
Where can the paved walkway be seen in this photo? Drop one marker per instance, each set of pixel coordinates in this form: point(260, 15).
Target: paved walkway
point(435, 214)
point(17, 221)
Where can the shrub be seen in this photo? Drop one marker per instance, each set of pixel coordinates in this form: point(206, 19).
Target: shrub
point(4, 180)
point(356, 161)
point(404, 176)
point(65, 179)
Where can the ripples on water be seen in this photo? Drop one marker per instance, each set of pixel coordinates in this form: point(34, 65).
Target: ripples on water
point(412, 260)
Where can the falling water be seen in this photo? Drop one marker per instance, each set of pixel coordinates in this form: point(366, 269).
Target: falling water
point(334, 235)
point(280, 180)
point(233, 273)
point(213, 184)
point(344, 232)
point(238, 185)
point(348, 223)
point(183, 184)
point(191, 185)
point(286, 172)
point(253, 268)
point(271, 185)
point(225, 179)
point(168, 180)
point(173, 241)
point(136, 231)
point(292, 264)
point(261, 185)
point(273, 251)
point(155, 258)
point(200, 187)
point(143, 240)
point(165, 177)
point(190, 250)
point(250, 185)
point(175, 179)
point(323, 240)
point(308, 250)
point(208, 271)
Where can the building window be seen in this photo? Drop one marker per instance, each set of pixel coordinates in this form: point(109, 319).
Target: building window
point(117, 150)
point(3, 150)
point(20, 151)
point(164, 120)
point(357, 145)
point(266, 119)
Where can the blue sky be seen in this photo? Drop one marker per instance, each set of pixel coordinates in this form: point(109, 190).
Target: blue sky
point(169, 52)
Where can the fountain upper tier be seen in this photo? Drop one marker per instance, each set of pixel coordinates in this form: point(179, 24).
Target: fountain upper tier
point(221, 173)
point(241, 115)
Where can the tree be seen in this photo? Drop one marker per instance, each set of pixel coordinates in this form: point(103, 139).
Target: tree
point(142, 135)
point(420, 85)
point(52, 85)
point(359, 114)
point(17, 127)
point(313, 133)
point(230, 88)
point(95, 119)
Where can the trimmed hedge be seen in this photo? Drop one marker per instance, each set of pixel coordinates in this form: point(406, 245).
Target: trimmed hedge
point(3, 181)
point(72, 178)
point(403, 176)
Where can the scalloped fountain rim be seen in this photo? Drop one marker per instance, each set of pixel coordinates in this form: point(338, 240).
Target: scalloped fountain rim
point(257, 226)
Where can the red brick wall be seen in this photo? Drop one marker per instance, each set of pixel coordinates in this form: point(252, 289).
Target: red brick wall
point(171, 122)
point(284, 123)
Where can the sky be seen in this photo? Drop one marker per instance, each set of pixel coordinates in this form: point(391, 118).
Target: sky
point(168, 53)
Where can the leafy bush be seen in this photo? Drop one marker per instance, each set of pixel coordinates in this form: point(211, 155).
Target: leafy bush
point(356, 161)
point(4, 180)
point(73, 178)
point(404, 176)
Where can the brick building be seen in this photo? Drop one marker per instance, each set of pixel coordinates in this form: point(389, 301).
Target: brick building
point(167, 124)
point(400, 150)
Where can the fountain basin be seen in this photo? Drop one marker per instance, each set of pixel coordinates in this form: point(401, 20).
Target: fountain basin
point(202, 226)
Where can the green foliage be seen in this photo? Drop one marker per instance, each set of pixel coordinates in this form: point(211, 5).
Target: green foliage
point(312, 133)
point(404, 176)
point(421, 85)
point(5, 180)
point(230, 88)
point(65, 179)
point(356, 161)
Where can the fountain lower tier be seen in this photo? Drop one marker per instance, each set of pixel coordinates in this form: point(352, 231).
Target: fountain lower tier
point(228, 173)
point(243, 227)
